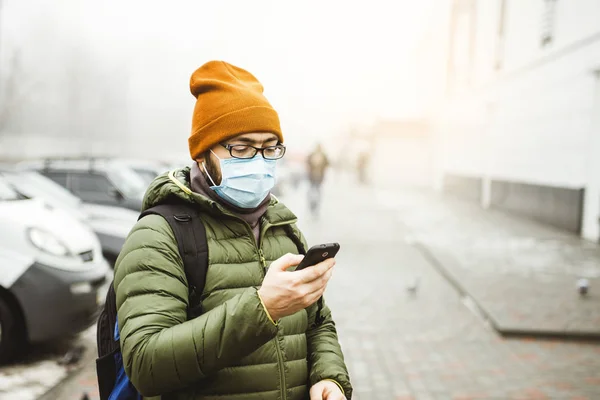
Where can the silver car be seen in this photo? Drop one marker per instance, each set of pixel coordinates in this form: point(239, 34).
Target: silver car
point(111, 224)
point(52, 273)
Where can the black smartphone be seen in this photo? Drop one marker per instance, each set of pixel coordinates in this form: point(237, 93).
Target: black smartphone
point(318, 253)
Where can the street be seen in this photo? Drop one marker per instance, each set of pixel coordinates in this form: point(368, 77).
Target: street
point(406, 332)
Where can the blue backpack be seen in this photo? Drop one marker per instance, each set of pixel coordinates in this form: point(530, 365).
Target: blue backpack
point(190, 234)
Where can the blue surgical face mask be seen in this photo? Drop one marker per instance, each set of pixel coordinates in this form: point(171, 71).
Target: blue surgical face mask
point(245, 182)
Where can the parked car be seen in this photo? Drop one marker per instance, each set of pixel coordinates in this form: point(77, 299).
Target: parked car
point(96, 181)
point(111, 224)
point(52, 273)
point(146, 169)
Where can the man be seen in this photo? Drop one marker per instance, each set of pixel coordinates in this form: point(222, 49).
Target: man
point(258, 337)
point(317, 163)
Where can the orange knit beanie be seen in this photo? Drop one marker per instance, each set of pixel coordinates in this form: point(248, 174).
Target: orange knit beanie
point(229, 102)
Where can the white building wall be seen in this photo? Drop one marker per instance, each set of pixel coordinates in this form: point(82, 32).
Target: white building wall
point(574, 21)
point(530, 121)
point(591, 206)
point(542, 123)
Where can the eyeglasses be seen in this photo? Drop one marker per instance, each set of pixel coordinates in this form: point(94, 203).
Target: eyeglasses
point(246, 151)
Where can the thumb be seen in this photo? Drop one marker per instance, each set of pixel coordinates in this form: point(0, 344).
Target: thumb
point(286, 261)
point(316, 392)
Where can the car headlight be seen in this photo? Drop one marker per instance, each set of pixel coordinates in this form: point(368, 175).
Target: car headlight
point(47, 242)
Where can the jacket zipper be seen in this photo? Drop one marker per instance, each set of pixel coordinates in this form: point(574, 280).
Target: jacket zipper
point(263, 261)
point(281, 363)
point(281, 369)
point(265, 227)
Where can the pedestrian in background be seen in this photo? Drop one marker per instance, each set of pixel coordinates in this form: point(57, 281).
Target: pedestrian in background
point(317, 164)
point(362, 165)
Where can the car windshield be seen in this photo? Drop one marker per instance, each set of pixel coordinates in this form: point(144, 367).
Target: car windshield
point(128, 182)
point(32, 184)
point(7, 192)
point(146, 174)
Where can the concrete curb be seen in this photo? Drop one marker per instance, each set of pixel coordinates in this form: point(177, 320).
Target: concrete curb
point(504, 331)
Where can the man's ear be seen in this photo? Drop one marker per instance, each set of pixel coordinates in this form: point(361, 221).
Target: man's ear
point(204, 157)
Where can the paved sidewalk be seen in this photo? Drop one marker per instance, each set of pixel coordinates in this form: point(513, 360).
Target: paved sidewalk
point(415, 345)
point(39, 371)
point(522, 274)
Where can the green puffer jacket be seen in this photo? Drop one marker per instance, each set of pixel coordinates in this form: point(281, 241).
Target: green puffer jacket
point(233, 350)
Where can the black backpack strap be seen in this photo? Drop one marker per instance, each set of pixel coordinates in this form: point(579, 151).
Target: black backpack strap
point(295, 238)
point(302, 250)
point(106, 324)
point(190, 235)
point(106, 369)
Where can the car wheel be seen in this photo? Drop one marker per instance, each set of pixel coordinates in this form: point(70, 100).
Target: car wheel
point(12, 335)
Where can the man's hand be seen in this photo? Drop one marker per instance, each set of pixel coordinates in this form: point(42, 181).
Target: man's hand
point(285, 293)
point(326, 390)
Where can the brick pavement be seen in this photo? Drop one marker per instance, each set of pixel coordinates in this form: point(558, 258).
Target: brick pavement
point(428, 345)
point(401, 345)
point(521, 273)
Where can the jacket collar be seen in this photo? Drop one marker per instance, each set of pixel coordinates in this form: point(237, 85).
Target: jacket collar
point(177, 183)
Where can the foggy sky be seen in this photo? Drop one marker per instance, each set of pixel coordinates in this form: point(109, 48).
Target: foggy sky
point(325, 65)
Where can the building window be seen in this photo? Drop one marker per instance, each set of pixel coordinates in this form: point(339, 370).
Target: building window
point(462, 44)
point(548, 18)
point(501, 35)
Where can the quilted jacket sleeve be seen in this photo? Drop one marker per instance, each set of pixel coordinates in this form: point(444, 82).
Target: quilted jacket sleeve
point(325, 357)
point(162, 351)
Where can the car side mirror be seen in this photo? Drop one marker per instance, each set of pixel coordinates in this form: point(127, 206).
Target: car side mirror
point(115, 193)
